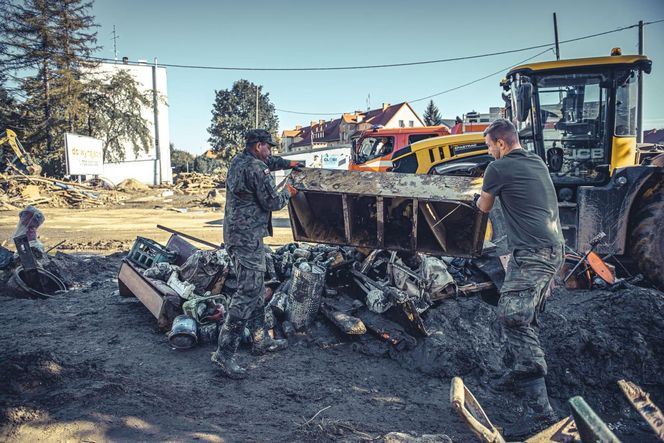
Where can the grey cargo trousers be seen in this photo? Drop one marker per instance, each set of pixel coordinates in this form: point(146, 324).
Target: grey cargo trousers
point(523, 295)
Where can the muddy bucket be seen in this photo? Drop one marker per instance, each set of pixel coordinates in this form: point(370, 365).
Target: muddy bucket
point(305, 295)
point(183, 333)
point(50, 283)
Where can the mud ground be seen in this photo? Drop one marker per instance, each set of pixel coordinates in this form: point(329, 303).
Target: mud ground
point(90, 365)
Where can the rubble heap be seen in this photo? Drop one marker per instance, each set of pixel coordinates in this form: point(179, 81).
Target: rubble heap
point(18, 191)
point(194, 182)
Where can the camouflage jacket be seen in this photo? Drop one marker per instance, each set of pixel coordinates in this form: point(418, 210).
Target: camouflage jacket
point(250, 199)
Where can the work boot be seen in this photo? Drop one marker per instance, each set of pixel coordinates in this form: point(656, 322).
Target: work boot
point(538, 413)
point(509, 380)
point(229, 340)
point(261, 338)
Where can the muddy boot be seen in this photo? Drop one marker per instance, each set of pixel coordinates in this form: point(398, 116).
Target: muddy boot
point(509, 381)
point(229, 340)
point(262, 341)
point(538, 414)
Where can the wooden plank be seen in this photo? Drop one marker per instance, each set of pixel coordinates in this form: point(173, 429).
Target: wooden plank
point(132, 279)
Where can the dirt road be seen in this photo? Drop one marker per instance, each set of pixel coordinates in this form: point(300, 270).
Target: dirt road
point(116, 228)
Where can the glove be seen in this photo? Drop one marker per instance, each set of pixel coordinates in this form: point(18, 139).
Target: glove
point(297, 165)
point(291, 190)
point(476, 197)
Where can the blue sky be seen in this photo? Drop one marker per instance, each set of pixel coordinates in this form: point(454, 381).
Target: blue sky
point(342, 33)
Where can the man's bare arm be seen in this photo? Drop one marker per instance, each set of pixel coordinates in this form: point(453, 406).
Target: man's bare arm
point(485, 202)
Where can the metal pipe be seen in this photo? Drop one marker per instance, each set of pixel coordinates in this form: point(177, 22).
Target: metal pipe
point(639, 102)
point(155, 105)
point(555, 31)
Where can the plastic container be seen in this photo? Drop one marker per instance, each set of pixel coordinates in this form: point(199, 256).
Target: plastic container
point(146, 252)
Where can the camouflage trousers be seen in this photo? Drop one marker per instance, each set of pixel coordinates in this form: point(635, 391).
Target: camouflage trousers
point(247, 301)
point(523, 295)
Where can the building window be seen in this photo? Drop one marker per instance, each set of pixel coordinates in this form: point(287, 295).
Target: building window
point(401, 124)
point(411, 123)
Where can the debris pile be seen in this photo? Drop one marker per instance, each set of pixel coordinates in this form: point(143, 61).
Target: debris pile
point(361, 293)
point(194, 182)
point(18, 191)
point(31, 272)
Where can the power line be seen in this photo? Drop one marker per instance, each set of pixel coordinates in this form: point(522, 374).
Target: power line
point(497, 72)
point(438, 93)
point(389, 65)
point(481, 78)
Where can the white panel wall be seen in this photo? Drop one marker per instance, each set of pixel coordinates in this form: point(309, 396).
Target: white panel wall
point(147, 167)
point(308, 157)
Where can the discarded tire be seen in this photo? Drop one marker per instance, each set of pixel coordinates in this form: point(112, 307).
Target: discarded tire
point(50, 283)
point(305, 295)
point(647, 239)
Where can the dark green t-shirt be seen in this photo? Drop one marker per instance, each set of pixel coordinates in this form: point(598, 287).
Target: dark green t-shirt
point(522, 182)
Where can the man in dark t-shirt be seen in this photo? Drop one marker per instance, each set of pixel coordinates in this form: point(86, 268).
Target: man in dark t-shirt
point(521, 180)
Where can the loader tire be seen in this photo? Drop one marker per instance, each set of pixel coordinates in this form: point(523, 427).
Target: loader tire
point(647, 239)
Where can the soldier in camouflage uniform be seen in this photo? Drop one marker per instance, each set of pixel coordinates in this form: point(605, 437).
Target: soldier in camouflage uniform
point(250, 199)
point(529, 204)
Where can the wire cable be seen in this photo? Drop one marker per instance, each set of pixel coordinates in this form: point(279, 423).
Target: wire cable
point(481, 78)
point(387, 65)
point(438, 93)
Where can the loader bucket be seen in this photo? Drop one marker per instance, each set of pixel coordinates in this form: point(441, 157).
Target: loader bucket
point(403, 212)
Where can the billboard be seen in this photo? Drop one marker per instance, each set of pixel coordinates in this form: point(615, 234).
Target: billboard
point(83, 155)
point(335, 161)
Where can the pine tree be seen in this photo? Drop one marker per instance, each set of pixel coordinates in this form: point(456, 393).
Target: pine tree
point(48, 44)
point(234, 113)
point(431, 115)
point(9, 110)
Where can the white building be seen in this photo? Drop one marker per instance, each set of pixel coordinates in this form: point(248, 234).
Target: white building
point(152, 167)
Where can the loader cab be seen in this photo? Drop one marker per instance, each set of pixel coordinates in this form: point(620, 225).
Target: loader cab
point(578, 115)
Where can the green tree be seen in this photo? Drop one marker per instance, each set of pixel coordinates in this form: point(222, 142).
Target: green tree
point(234, 113)
point(431, 115)
point(181, 161)
point(48, 44)
point(113, 108)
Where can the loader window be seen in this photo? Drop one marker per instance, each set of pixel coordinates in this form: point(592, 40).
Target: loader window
point(571, 117)
point(626, 97)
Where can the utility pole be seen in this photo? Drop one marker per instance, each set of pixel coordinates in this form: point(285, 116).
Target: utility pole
point(639, 102)
point(256, 107)
point(115, 44)
point(155, 105)
point(555, 31)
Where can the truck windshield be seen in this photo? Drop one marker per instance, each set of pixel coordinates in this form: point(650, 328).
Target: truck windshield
point(374, 147)
point(571, 119)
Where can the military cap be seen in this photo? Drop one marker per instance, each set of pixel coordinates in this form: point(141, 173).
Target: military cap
point(259, 135)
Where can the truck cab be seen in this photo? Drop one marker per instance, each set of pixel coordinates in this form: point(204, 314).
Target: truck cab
point(373, 149)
